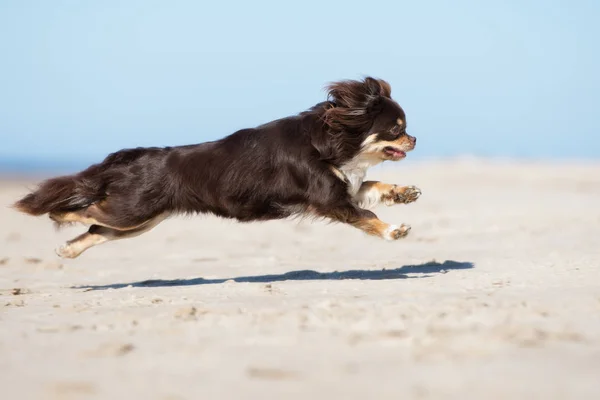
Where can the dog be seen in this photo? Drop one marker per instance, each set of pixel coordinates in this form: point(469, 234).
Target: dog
point(311, 164)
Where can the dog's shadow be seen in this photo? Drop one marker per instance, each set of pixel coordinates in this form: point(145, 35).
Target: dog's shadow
point(426, 269)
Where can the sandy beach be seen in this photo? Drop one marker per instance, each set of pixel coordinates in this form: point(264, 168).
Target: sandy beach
point(494, 294)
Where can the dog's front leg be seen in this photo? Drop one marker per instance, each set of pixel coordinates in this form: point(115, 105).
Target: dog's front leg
point(372, 193)
point(366, 221)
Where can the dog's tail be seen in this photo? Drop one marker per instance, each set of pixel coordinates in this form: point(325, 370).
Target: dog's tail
point(65, 193)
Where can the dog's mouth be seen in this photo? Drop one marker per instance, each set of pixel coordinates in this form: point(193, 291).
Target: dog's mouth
point(394, 152)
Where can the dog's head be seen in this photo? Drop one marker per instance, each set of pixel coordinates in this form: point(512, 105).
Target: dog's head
point(362, 120)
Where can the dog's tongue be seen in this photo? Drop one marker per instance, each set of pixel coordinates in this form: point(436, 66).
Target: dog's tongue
point(395, 152)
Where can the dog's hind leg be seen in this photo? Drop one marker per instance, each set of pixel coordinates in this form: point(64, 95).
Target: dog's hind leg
point(98, 234)
point(95, 215)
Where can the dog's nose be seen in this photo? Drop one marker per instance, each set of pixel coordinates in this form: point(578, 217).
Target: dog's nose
point(413, 139)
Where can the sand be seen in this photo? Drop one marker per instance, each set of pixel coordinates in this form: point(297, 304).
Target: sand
point(495, 294)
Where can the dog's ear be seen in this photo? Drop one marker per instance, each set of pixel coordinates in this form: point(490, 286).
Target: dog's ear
point(358, 94)
point(378, 87)
point(355, 103)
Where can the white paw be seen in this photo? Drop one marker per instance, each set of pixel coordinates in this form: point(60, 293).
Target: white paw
point(66, 251)
point(394, 232)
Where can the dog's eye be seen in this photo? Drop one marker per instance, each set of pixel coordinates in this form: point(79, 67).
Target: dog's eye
point(395, 131)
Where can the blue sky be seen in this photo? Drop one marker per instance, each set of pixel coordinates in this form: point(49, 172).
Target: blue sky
point(80, 79)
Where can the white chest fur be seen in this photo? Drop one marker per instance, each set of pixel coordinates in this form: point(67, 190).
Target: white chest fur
point(355, 171)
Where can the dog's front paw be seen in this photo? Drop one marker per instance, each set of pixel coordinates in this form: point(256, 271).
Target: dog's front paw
point(394, 232)
point(66, 251)
point(402, 195)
